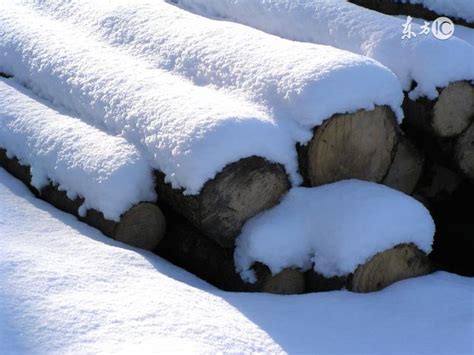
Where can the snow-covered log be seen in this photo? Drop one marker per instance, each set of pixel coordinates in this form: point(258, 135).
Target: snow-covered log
point(406, 168)
point(81, 170)
point(460, 11)
point(142, 226)
point(239, 192)
point(383, 269)
point(359, 145)
point(186, 247)
point(338, 23)
point(375, 219)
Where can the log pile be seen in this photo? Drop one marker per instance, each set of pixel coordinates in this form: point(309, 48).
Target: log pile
point(391, 7)
point(142, 226)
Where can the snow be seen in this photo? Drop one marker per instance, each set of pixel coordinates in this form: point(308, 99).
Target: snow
point(308, 83)
point(65, 288)
point(463, 9)
point(189, 133)
point(342, 225)
point(429, 62)
point(109, 173)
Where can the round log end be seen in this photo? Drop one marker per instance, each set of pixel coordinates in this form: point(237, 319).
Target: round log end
point(406, 168)
point(239, 192)
point(454, 109)
point(353, 146)
point(465, 152)
point(286, 282)
point(385, 268)
point(142, 226)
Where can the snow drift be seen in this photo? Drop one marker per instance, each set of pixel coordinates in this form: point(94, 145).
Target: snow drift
point(308, 83)
point(336, 227)
point(109, 173)
point(189, 133)
point(423, 59)
point(463, 9)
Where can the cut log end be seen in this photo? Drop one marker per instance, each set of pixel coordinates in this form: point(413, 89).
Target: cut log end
point(225, 203)
point(286, 282)
point(406, 168)
point(385, 268)
point(465, 152)
point(142, 226)
point(454, 109)
point(358, 145)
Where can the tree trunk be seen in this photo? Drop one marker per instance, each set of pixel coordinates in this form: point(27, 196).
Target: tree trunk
point(406, 168)
point(225, 203)
point(383, 269)
point(142, 226)
point(391, 7)
point(186, 247)
point(358, 145)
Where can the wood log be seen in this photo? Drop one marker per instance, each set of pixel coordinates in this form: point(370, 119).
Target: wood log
point(358, 145)
point(383, 269)
point(406, 168)
point(464, 152)
point(391, 7)
point(186, 247)
point(225, 203)
point(142, 226)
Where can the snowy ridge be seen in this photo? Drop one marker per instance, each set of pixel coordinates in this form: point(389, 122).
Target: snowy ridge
point(189, 133)
point(308, 83)
point(463, 9)
point(341, 226)
point(109, 173)
point(337, 23)
point(65, 288)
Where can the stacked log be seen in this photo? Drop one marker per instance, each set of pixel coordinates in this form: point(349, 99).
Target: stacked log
point(391, 7)
point(142, 226)
point(383, 269)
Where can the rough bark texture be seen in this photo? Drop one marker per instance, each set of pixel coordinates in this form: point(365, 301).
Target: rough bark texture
point(142, 226)
point(358, 145)
point(225, 203)
point(186, 247)
point(383, 269)
point(406, 168)
point(391, 7)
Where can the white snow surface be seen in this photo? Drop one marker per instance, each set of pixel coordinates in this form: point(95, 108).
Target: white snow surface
point(188, 132)
point(109, 173)
point(305, 82)
point(341, 226)
point(463, 9)
point(65, 288)
point(430, 62)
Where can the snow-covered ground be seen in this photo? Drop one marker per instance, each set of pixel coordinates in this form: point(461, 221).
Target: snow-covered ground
point(64, 287)
point(458, 8)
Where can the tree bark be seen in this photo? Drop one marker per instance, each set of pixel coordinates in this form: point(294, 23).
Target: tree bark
point(142, 226)
point(225, 203)
point(391, 7)
point(358, 145)
point(383, 269)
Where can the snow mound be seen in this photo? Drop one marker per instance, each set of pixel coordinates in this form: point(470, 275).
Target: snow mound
point(189, 133)
point(306, 82)
point(463, 9)
point(429, 62)
point(109, 173)
point(337, 227)
point(65, 288)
